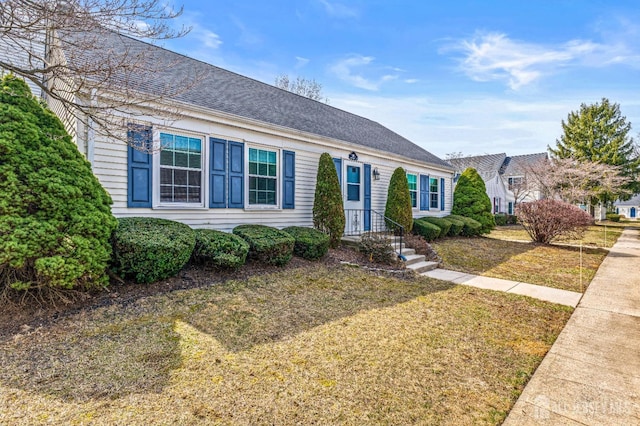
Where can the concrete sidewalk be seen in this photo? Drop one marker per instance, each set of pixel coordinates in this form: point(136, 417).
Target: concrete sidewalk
point(554, 295)
point(591, 375)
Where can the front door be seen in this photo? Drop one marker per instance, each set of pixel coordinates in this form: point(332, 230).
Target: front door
point(633, 212)
point(353, 198)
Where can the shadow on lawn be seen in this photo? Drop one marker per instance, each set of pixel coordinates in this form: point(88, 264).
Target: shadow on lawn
point(120, 350)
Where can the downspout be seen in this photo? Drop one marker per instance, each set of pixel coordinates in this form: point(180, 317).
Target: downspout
point(91, 133)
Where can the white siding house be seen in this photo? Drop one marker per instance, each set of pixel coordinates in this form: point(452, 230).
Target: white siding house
point(246, 152)
point(630, 209)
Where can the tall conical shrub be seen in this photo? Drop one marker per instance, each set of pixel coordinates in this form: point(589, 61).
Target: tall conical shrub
point(398, 207)
point(55, 217)
point(470, 199)
point(328, 211)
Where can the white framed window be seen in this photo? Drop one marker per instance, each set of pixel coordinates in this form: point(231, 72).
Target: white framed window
point(263, 177)
point(412, 180)
point(515, 182)
point(180, 169)
point(434, 194)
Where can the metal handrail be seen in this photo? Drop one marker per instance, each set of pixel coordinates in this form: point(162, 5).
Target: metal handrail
point(369, 221)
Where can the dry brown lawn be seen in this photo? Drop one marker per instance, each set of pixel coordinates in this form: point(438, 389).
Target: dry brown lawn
point(601, 235)
point(312, 345)
point(557, 266)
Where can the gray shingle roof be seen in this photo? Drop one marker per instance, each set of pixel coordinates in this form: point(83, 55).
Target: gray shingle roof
point(633, 202)
point(516, 165)
point(487, 166)
point(221, 90)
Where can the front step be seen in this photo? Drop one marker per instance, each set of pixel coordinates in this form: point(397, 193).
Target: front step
point(423, 266)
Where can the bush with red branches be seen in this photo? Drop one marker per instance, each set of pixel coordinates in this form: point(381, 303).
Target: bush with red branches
point(547, 220)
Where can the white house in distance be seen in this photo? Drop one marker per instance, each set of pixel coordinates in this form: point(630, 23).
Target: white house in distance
point(630, 209)
point(245, 152)
point(504, 177)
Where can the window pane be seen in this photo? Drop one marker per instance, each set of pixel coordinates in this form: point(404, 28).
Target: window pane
point(195, 145)
point(272, 157)
point(194, 194)
point(181, 159)
point(353, 174)
point(353, 192)
point(263, 169)
point(272, 170)
point(412, 180)
point(271, 198)
point(262, 156)
point(166, 176)
point(253, 154)
point(434, 200)
point(179, 177)
point(194, 178)
point(182, 143)
point(414, 198)
point(253, 183)
point(194, 161)
point(433, 185)
point(271, 184)
point(166, 193)
point(166, 140)
point(166, 157)
point(180, 194)
point(253, 168)
point(262, 184)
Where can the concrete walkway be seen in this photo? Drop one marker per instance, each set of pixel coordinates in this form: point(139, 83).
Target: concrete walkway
point(555, 295)
point(591, 375)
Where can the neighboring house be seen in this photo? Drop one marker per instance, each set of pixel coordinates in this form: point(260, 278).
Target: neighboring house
point(246, 152)
point(504, 177)
point(12, 53)
point(630, 208)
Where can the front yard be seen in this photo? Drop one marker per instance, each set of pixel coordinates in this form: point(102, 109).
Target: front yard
point(507, 252)
point(312, 344)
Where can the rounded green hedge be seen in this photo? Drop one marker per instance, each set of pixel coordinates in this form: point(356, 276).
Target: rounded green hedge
point(150, 249)
point(220, 249)
point(456, 226)
point(427, 229)
point(266, 244)
point(310, 243)
point(471, 227)
point(440, 222)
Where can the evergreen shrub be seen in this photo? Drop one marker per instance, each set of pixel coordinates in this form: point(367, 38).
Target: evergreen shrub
point(398, 207)
point(151, 249)
point(456, 226)
point(426, 229)
point(266, 244)
point(310, 243)
point(471, 227)
point(470, 199)
point(220, 249)
point(500, 219)
point(613, 217)
point(440, 222)
point(328, 210)
point(55, 217)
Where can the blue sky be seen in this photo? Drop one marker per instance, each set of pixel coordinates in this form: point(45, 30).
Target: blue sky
point(476, 77)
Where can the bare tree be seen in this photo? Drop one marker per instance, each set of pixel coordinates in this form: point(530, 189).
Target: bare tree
point(575, 181)
point(302, 86)
point(83, 56)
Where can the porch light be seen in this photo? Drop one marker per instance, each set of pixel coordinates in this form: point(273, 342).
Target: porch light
point(376, 174)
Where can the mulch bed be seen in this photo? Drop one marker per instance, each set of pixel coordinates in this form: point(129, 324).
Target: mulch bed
point(17, 316)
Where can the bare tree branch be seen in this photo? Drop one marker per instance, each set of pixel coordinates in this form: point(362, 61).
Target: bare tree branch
point(80, 54)
point(302, 86)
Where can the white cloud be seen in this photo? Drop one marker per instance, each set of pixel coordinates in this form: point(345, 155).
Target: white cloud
point(350, 71)
point(411, 80)
point(301, 62)
point(208, 38)
point(339, 10)
point(493, 56)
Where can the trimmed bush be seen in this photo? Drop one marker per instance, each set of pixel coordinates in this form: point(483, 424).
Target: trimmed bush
point(55, 217)
point(328, 210)
point(456, 226)
point(377, 248)
point(512, 219)
point(500, 219)
point(220, 249)
point(150, 249)
point(266, 244)
point(440, 222)
point(398, 207)
point(470, 199)
point(613, 217)
point(310, 243)
point(471, 227)
point(426, 229)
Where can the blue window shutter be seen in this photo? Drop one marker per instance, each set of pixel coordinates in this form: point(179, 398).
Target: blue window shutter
point(424, 192)
point(236, 175)
point(217, 173)
point(139, 167)
point(441, 193)
point(288, 179)
point(367, 197)
point(338, 164)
